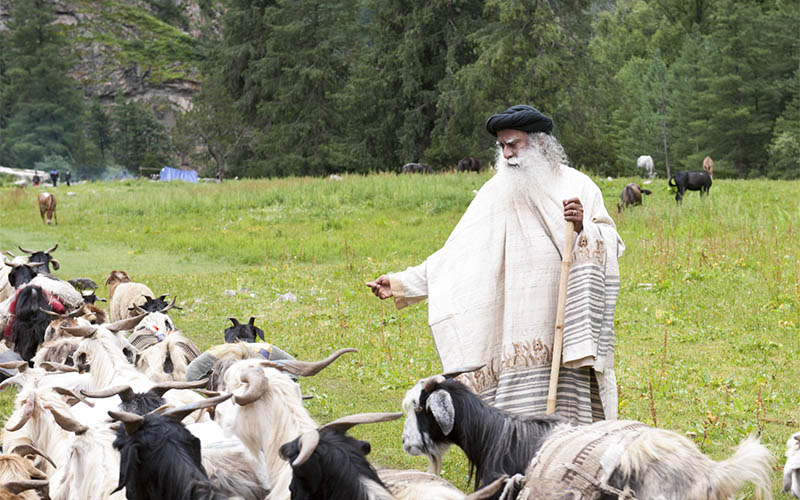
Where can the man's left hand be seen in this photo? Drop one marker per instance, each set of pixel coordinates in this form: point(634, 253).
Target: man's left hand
point(573, 212)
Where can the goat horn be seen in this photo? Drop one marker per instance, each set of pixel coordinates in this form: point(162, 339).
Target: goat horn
point(234, 321)
point(52, 366)
point(66, 422)
point(33, 265)
point(162, 387)
point(306, 368)
point(252, 321)
point(27, 449)
point(29, 252)
point(80, 331)
point(179, 414)
point(207, 393)
point(171, 305)
point(72, 314)
point(125, 324)
point(26, 414)
point(345, 423)
point(20, 366)
point(55, 263)
point(257, 385)
point(430, 382)
point(72, 394)
point(306, 445)
point(438, 379)
point(130, 421)
point(52, 249)
point(16, 487)
point(489, 490)
point(6, 252)
point(124, 392)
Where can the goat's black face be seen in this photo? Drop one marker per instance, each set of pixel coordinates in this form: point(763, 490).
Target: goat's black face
point(21, 275)
point(337, 470)
point(244, 333)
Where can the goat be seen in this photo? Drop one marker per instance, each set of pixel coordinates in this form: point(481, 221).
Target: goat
point(469, 164)
point(244, 333)
point(124, 294)
point(329, 465)
point(692, 181)
point(268, 411)
point(791, 469)
point(47, 207)
point(43, 258)
point(656, 463)
point(631, 195)
point(18, 474)
point(708, 165)
point(160, 458)
point(29, 320)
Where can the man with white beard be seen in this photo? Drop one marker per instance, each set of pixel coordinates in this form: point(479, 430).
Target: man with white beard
point(492, 288)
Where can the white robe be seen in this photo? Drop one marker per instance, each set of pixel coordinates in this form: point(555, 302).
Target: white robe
point(493, 287)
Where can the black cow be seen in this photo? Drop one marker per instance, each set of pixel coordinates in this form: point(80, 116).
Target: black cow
point(416, 168)
point(244, 333)
point(693, 180)
point(469, 164)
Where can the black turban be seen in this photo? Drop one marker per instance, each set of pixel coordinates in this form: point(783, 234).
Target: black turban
point(520, 117)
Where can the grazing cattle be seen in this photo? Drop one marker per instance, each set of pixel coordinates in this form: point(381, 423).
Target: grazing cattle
point(47, 206)
point(646, 162)
point(692, 180)
point(631, 195)
point(708, 165)
point(469, 164)
point(416, 168)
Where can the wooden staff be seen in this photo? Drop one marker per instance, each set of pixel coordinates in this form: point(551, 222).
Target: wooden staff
point(558, 336)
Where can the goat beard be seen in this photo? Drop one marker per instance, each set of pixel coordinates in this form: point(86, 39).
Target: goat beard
point(529, 174)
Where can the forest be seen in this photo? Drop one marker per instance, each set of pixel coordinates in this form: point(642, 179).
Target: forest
point(320, 87)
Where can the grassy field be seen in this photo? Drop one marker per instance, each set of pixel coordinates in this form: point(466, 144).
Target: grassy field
point(707, 324)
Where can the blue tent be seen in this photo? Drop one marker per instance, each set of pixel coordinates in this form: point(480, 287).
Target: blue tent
point(173, 174)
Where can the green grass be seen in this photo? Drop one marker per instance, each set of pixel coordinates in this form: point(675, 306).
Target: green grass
point(707, 320)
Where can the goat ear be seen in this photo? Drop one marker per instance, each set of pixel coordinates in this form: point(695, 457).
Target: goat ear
point(441, 405)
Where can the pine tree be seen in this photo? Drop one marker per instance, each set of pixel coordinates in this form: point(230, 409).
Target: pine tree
point(140, 140)
point(42, 106)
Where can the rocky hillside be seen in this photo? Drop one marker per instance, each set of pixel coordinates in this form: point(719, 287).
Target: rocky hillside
point(147, 50)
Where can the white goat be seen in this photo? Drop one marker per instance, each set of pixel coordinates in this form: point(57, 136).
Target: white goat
point(791, 469)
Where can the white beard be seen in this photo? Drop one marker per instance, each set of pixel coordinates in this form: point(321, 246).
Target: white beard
point(528, 174)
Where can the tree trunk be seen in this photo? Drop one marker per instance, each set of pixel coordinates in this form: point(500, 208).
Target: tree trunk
point(664, 131)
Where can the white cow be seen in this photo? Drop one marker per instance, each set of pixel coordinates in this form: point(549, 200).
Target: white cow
point(646, 162)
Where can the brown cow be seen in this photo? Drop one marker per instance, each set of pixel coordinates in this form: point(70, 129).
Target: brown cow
point(631, 195)
point(708, 166)
point(47, 206)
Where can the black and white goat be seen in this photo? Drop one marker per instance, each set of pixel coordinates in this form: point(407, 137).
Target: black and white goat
point(655, 463)
point(160, 458)
point(327, 464)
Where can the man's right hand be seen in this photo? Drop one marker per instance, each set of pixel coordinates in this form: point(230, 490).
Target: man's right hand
point(381, 287)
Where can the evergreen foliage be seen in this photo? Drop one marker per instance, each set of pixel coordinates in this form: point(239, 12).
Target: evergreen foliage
point(315, 87)
point(42, 106)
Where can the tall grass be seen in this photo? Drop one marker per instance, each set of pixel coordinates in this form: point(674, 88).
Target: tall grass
point(707, 320)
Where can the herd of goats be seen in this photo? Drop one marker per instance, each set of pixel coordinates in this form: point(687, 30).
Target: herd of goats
point(105, 409)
